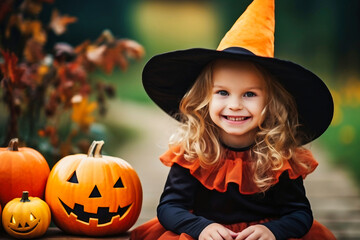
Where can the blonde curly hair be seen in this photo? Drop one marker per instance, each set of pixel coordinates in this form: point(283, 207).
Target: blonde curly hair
point(275, 142)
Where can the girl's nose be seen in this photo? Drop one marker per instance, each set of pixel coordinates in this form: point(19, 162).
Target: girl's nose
point(235, 104)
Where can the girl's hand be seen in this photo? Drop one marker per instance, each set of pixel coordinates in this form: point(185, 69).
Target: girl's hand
point(256, 232)
point(217, 231)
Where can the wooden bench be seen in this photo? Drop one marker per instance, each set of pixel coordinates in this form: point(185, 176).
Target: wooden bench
point(56, 233)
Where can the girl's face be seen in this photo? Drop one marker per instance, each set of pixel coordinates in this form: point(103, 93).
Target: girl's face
point(238, 98)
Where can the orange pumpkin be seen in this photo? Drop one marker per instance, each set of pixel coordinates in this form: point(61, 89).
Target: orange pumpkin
point(21, 168)
point(26, 217)
point(93, 194)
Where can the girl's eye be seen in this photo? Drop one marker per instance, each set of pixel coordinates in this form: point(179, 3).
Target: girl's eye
point(222, 93)
point(249, 94)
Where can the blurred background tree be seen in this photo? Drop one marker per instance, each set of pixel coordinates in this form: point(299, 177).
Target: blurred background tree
point(49, 96)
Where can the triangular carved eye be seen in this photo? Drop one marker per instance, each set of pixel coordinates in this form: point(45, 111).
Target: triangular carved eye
point(32, 217)
point(95, 193)
point(119, 183)
point(12, 220)
point(73, 178)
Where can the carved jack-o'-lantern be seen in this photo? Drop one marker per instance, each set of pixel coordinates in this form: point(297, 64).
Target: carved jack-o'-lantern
point(26, 217)
point(93, 194)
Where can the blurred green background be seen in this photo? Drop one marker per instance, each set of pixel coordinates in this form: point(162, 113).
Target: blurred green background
point(321, 35)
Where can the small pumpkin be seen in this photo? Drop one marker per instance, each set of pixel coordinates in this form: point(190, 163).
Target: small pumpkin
point(94, 194)
point(26, 217)
point(21, 168)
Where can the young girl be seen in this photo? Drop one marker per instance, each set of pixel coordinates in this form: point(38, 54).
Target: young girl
point(237, 161)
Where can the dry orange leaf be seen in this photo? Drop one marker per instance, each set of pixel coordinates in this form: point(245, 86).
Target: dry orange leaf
point(58, 23)
point(31, 6)
point(10, 69)
point(95, 53)
point(82, 111)
point(33, 51)
point(117, 55)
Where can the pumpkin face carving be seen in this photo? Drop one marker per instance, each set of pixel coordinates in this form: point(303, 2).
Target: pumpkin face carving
point(102, 214)
point(26, 227)
point(94, 195)
point(27, 217)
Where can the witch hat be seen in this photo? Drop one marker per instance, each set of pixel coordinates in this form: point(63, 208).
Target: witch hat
point(167, 77)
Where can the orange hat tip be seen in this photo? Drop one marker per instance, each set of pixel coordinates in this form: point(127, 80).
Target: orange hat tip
point(254, 29)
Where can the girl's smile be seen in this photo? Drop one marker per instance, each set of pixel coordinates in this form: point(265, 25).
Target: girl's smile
point(238, 98)
point(236, 119)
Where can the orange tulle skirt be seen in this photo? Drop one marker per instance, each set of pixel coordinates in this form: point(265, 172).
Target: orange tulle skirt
point(153, 230)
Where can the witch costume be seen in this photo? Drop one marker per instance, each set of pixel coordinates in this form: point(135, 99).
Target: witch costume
point(195, 197)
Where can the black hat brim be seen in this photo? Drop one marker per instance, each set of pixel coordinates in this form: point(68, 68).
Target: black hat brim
point(167, 77)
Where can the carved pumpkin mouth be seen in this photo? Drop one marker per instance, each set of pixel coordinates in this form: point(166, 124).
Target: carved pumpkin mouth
point(24, 231)
point(103, 215)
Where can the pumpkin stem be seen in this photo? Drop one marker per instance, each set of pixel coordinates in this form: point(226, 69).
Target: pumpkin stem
point(25, 197)
point(95, 149)
point(13, 144)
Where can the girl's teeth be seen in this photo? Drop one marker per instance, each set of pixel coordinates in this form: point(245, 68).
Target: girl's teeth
point(236, 118)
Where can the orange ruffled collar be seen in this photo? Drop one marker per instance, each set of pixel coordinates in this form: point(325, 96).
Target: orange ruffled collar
point(234, 168)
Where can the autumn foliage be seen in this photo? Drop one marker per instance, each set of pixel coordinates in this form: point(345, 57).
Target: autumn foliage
point(43, 90)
